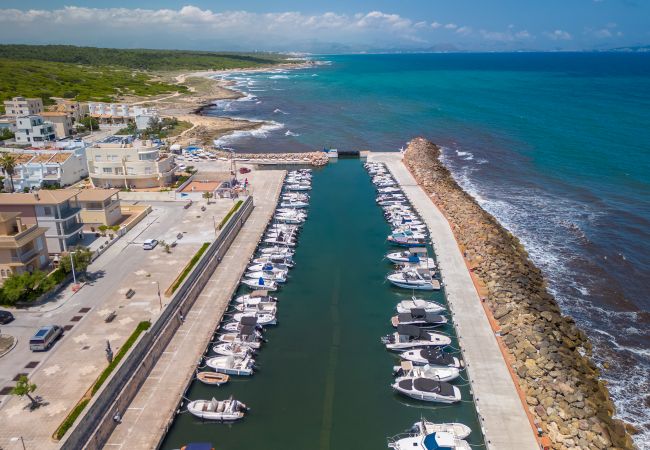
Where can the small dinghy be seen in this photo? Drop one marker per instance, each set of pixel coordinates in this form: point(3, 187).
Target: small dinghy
point(232, 365)
point(212, 378)
point(220, 410)
point(408, 337)
point(238, 350)
point(418, 317)
point(434, 357)
point(406, 368)
point(260, 283)
point(420, 279)
point(427, 390)
point(416, 303)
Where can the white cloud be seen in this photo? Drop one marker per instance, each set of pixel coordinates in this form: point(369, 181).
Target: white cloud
point(510, 35)
point(464, 30)
point(435, 25)
point(558, 35)
point(451, 26)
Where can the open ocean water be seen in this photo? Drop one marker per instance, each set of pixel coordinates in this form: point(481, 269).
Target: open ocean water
point(555, 145)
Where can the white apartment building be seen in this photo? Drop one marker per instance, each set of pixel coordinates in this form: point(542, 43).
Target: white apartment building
point(121, 113)
point(124, 162)
point(38, 168)
point(61, 121)
point(21, 106)
point(33, 130)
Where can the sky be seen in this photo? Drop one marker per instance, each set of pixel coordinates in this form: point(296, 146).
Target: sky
point(330, 26)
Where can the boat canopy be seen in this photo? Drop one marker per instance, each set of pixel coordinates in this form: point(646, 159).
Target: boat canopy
point(248, 321)
point(412, 331)
point(439, 441)
point(247, 330)
point(199, 446)
point(435, 355)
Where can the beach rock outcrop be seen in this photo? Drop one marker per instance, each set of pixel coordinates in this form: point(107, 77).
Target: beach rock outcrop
point(549, 354)
point(313, 158)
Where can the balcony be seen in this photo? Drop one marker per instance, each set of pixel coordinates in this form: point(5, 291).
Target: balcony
point(25, 257)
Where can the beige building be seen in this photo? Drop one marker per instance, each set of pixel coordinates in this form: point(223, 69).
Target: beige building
point(99, 206)
point(22, 246)
point(124, 162)
point(61, 121)
point(74, 109)
point(21, 106)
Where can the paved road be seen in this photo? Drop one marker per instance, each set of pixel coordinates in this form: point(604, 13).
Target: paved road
point(506, 426)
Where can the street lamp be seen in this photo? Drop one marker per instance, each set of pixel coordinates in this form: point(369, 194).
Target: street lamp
point(74, 275)
point(159, 298)
point(19, 438)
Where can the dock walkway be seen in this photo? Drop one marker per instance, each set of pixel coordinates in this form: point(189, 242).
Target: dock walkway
point(145, 422)
point(505, 424)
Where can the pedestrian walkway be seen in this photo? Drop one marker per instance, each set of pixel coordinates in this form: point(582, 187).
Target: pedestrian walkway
point(505, 424)
point(144, 424)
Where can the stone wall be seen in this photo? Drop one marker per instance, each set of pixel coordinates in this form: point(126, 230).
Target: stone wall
point(550, 354)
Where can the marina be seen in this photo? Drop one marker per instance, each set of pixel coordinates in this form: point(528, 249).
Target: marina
point(321, 378)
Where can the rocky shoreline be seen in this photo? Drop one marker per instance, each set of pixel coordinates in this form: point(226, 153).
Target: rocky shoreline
point(314, 158)
point(550, 354)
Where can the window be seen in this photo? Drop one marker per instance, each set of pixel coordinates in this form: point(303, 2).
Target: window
point(108, 170)
point(47, 210)
point(119, 171)
point(98, 158)
point(130, 171)
point(147, 170)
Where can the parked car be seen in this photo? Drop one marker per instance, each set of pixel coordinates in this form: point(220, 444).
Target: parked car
point(6, 317)
point(149, 244)
point(45, 338)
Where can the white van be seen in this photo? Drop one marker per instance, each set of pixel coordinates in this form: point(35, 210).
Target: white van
point(45, 338)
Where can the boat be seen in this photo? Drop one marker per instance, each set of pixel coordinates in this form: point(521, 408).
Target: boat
point(246, 335)
point(419, 279)
point(389, 190)
point(232, 365)
point(221, 410)
point(434, 441)
point(407, 368)
point(279, 277)
point(427, 390)
point(227, 349)
point(282, 239)
point(278, 260)
point(276, 250)
point(459, 430)
point(255, 297)
point(197, 446)
point(419, 317)
point(269, 265)
point(408, 337)
point(405, 241)
point(297, 204)
point(212, 378)
point(262, 318)
point(298, 187)
point(417, 303)
point(434, 357)
point(260, 307)
point(294, 219)
point(260, 283)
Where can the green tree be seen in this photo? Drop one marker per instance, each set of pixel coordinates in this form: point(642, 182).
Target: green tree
point(81, 256)
point(8, 163)
point(208, 196)
point(6, 134)
point(25, 286)
point(24, 388)
point(90, 123)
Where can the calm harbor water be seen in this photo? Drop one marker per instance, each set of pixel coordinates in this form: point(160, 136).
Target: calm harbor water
point(324, 378)
point(554, 145)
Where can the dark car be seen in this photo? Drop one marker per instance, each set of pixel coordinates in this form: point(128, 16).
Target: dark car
point(6, 317)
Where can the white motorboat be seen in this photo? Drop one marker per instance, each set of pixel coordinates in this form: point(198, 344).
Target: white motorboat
point(278, 260)
point(262, 307)
point(260, 283)
point(411, 256)
point(279, 277)
point(297, 187)
point(406, 241)
point(262, 318)
point(297, 204)
point(407, 233)
point(427, 390)
point(295, 196)
point(283, 239)
point(240, 351)
point(389, 190)
point(434, 357)
point(221, 410)
point(232, 365)
point(289, 218)
point(432, 441)
point(417, 303)
point(277, 250)
point(406, 368)
point(420, 279)
point(255, 297)
point(268, 266)
point(459, 430)
point(408, 337)
point(418, 317)
point(246, 335)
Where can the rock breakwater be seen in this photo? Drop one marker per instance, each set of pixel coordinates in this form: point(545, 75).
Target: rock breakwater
point(313, 158)
point(549, 353)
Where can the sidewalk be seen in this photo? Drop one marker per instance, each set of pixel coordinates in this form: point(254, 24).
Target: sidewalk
point(505, 424)
point(144, 424)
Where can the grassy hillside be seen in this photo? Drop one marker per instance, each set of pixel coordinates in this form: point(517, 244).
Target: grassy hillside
point(87, 73)
point(142, 59)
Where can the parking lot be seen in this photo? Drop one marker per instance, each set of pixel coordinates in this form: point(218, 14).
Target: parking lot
point(66, 371)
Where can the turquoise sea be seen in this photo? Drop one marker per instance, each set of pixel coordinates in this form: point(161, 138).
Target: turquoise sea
point(555, 145)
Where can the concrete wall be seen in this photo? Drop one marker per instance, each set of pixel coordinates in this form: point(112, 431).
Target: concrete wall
point(94, 428)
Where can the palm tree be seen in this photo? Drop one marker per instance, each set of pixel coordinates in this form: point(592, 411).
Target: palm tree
point(8, 164)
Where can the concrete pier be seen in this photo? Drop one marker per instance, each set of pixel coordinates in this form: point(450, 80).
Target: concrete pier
point(145, 422)
point(505, 424)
